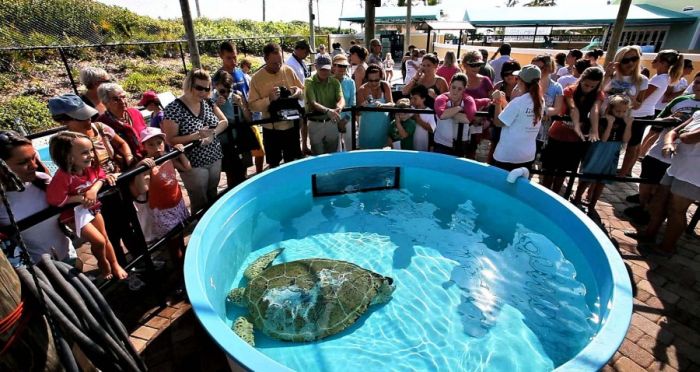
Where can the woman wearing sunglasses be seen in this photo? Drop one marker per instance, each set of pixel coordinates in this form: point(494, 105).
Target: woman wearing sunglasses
point(374, 125)
point(192, 117)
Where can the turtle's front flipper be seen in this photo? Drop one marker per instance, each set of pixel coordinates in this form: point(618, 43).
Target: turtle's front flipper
point(261, 264)
point(244, 329)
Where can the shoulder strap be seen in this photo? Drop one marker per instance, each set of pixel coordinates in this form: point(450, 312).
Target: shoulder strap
point(108, 146)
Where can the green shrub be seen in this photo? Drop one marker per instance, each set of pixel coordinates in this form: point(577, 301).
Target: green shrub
point(28, 112)
point(138, 82)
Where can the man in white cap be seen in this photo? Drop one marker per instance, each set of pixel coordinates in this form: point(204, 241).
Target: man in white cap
point(324, 102)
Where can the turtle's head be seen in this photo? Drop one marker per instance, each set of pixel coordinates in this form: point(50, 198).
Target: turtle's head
point(237, 297)
point(386, 288)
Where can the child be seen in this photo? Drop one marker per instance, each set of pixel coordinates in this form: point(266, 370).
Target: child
point(602, 156)
point(164, 208)
point(77, 180)
point(568, 141)
point(151, 102)
point(426, 122)
point(246, 66)
point(402, 128)
point(389, 67)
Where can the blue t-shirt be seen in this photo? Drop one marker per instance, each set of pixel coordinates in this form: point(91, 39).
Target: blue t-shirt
point(552, 92)
point(157, 119)
point(239, 81)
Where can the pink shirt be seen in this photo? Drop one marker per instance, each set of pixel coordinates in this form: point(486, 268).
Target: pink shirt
point(447, 72)
point(470, 104)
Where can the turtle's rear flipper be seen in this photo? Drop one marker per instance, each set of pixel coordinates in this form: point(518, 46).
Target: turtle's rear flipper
point(244, 329)
point(261, 264)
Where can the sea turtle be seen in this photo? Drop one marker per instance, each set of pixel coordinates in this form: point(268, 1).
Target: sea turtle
point(307, 299)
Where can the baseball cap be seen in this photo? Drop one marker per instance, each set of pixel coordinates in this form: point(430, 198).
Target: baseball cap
point(303, 44)
point(323, 63)
point(528, 73)
point(148, 97)
point(341, 59)
point(71, 105)
point(149, 133)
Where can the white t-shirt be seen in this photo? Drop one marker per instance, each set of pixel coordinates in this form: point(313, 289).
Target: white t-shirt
point(45, 237)
point(564, 71)
point(497, 65)
point(567, 80)
point(626, 86)
point(518, 136)
point(684, 164)
point(685, 104)
point(421, 139)
point(660, 81)
point(446, 130)
point(411, 70)
point(680, 86)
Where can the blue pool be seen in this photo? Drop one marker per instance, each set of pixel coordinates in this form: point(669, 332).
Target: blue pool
point(488, 274)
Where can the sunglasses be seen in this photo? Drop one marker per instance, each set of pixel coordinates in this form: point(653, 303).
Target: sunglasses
point(342, 66)
point(627, 60)
point(201, 88)
point(475, 64)
point(373, 80)
point(224, 92)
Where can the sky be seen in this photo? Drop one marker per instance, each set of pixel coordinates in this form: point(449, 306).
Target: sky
point(289, 10)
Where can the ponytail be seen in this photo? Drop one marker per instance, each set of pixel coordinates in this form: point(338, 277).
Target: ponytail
point(674, 60)
point(534, 89)
point(675, 71)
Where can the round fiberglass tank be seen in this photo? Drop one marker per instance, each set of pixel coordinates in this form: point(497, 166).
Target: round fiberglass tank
point(489, 274)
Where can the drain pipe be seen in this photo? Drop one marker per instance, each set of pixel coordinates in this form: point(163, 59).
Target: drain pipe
point(517, 173)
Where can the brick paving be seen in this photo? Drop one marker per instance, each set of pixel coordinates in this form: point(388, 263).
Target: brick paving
point(663, 335)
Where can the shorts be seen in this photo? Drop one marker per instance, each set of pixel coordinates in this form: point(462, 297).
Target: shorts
point(681, 188)
point(653, 169)
point(562, 155)
point(638, 130)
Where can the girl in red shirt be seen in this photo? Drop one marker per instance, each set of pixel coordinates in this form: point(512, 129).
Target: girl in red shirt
point(78, 180)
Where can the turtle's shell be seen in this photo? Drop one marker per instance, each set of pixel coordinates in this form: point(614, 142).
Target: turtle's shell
point(310, 299)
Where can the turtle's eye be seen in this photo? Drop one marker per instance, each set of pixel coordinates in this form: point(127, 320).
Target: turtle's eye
point(390, 281)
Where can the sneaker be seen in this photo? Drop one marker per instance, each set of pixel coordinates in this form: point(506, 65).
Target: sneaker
point(633, 198)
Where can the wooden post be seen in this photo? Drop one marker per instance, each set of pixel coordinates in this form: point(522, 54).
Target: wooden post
point(369, 22)
point(312, 38)
point(617, 30)
point(407, 34)
point(427, 43)
point(34, 350)
point(189, 30)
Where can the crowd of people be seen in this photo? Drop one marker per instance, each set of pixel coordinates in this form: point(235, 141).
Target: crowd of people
point(303, 113)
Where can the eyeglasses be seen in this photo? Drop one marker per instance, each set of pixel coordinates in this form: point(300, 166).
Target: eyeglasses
point(201, 88)
point(475, 64)
point(119, 98)
point(627, 60)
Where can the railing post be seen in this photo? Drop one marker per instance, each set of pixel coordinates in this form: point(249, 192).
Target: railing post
point(182, 56)
point(67, 66)
point(353, 128)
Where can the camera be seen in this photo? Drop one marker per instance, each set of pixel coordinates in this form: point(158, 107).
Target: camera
point(284, 92)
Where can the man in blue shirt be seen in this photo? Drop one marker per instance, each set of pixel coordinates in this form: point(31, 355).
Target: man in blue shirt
point(340, 68)
point(229, 58)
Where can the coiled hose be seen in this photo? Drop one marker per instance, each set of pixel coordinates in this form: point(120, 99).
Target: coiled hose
point(83, 315)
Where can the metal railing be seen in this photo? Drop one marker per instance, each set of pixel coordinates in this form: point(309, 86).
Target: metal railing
point(144, 252)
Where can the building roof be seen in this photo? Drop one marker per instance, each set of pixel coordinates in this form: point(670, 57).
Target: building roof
point(394, 15)
point(573, 15)
point(444, 25)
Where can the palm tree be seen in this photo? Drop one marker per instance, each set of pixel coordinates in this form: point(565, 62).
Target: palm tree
point(263, 1)
point(511, 3)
